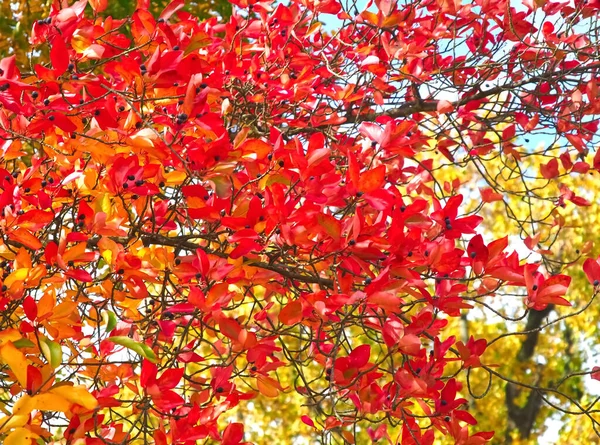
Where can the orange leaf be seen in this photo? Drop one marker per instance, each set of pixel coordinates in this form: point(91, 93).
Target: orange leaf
point(267, 386)
point(255, 149)
point(230, 328)
point(291, 313)
point(98, 5)
point(25, 237)
point(331, 225)
point(372, 180)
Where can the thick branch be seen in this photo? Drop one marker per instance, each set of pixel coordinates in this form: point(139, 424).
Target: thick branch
point(184, 243)
point(523, 418)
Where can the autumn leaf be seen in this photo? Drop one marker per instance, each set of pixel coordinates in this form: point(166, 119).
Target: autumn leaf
point(16, 361)
point(371, 180)
point(291, 313)
point(20, 436)
point(140, 348)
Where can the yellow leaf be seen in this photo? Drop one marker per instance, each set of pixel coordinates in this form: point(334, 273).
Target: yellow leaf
point(175, 177)
point(15, 421)
point(76, 394)
point(20, 436)
point(50, 402)
point(52, 351)
point(16, 361)
point(103, 204)
point(3, 409)
point(42, 402)
point(107, 255)
point(21, 406)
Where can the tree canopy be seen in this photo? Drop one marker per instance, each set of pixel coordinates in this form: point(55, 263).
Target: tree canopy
point(299, 222)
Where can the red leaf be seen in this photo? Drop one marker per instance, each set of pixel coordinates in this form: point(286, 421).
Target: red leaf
point(465, 417)
point(531, 243)
point(148, 374)
point(576, 141)
point(233, 434)
point(372, 131)
point(581, 167)
point(79, 275)
point(550, 170)
point(182, 308)
point(230, 328)
point(59, 55)
point(51, 252)
point(489, 195)
point(160, 438)
point(385, 6)
point(579, 201)
point(9, 67)
point(393, 330)
point(63, 122)
point(170, 378)
point(167, 400)
point(244, 247)
point(307, 420)
point(34, 379)
point(30, 308)
point(380, 199)
point(592, 271)
point(360, 356)
point(171, 9)
point(508, 133)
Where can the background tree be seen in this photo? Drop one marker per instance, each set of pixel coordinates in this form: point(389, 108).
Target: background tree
point(18, 17)
point(218, 230)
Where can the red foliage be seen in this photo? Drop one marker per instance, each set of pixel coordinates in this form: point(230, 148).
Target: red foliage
point(260, 193)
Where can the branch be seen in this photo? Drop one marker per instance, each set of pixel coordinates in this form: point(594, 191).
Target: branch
point(422, 106)
point(298, 274)
point(523, 418)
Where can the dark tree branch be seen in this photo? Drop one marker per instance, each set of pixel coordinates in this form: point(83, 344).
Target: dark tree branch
point(523, 418)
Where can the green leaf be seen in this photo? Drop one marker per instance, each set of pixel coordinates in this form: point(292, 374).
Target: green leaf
point(137, 347)
point(222, 186)
point(111, 322)
point(52, 351)
point(24, 343)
